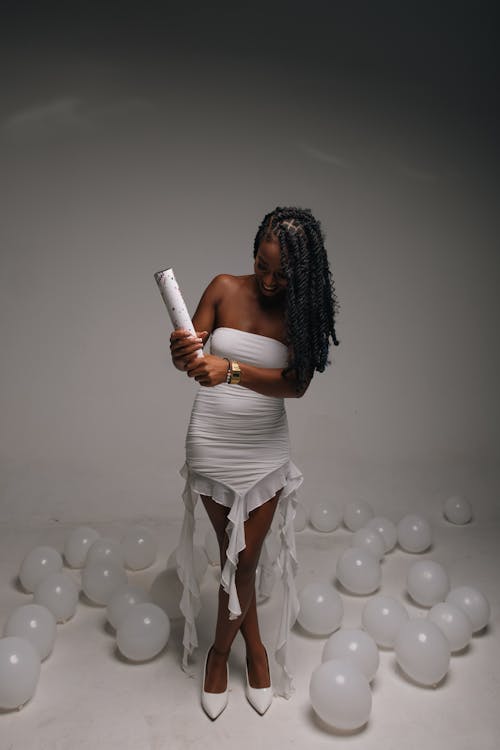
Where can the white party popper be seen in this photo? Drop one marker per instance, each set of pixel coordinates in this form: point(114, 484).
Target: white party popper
point(174, 302)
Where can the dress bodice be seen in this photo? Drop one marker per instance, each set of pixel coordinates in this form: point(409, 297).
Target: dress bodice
point(253, 348)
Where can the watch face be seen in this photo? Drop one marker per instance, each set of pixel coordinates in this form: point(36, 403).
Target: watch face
point(235, 372)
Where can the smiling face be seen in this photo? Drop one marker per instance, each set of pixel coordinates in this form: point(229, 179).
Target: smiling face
point(270, 277)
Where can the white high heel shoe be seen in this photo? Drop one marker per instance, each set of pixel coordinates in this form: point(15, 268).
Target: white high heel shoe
point(214, 703)
point(259, 698)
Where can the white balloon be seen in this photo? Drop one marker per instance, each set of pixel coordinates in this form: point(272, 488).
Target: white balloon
point(77, 545)
point(457, 509)
point(19, 671)
point(200, 562)
point(359, 571)
point(300, 520)
point(59, 593)
point(414, 534)
point(143, 632)
point(34, 623)
point(369, 539)
point(454, 623)
point(321, 608)
point(37, 564)
point(427, 582)
point(474, 603)
point(324, 516)
point(166, 592)
point(106, 550)
point(101, 579)
point(355, 645)
point(387, 529)
point(123, 599)
point(139, 548)
point(356, 514)
point(340, 694)
point(383, 617)
point(211, 546)
point(422, 651)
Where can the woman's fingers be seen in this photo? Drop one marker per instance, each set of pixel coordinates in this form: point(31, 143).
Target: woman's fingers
point(203, 335)
point(182, 335)
point(193, 367)
point(209, 371)
point(179, 333)
point(187, 350)
point(185, 345)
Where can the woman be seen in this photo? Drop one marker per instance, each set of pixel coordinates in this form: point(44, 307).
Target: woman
point(270, 332)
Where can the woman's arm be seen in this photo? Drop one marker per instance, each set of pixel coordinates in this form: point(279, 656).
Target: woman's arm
point(205, 314)
point(270, 381)
point(183, 346)
point(212, 370)
point(266, 380)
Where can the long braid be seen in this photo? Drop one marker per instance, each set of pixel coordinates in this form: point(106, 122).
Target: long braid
point(311, 303)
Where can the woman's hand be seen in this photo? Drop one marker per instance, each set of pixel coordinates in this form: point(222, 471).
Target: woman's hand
point(183, 346)
point(209, 371)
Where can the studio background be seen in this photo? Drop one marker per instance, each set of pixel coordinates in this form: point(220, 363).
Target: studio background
point(137, 137)
point(131, 143)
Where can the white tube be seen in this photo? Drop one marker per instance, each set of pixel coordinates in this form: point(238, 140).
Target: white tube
point(174, 302)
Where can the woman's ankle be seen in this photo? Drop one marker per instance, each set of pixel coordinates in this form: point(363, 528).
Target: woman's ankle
point(215, 672)
point(221, 653)
point(258, 670)
point(255, 649)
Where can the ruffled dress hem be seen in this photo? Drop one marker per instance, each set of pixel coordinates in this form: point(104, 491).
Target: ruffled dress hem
point(281, 557)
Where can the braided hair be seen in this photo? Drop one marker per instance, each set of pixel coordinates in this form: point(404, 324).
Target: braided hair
point(311, 303)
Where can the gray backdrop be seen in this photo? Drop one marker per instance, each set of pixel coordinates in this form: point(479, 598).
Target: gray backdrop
point(135, 138)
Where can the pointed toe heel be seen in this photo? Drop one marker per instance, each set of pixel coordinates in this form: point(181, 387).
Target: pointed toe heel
point(259, 698)
point(213, 703)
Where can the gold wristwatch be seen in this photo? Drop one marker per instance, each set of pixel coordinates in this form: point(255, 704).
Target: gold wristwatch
point(233, 372)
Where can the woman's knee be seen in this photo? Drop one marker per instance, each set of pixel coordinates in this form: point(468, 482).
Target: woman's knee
point(248, 559)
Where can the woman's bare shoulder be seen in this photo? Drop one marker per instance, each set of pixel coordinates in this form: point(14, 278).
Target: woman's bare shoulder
point(225, 282)
point(228, 278)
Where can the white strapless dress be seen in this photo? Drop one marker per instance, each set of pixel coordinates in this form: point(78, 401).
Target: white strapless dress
point(237, 452)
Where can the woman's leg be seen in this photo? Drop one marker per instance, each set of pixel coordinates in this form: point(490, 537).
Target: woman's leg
point(256, 528)
point(258, 668)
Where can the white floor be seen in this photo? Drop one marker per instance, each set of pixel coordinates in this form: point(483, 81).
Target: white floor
point(89, 697)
